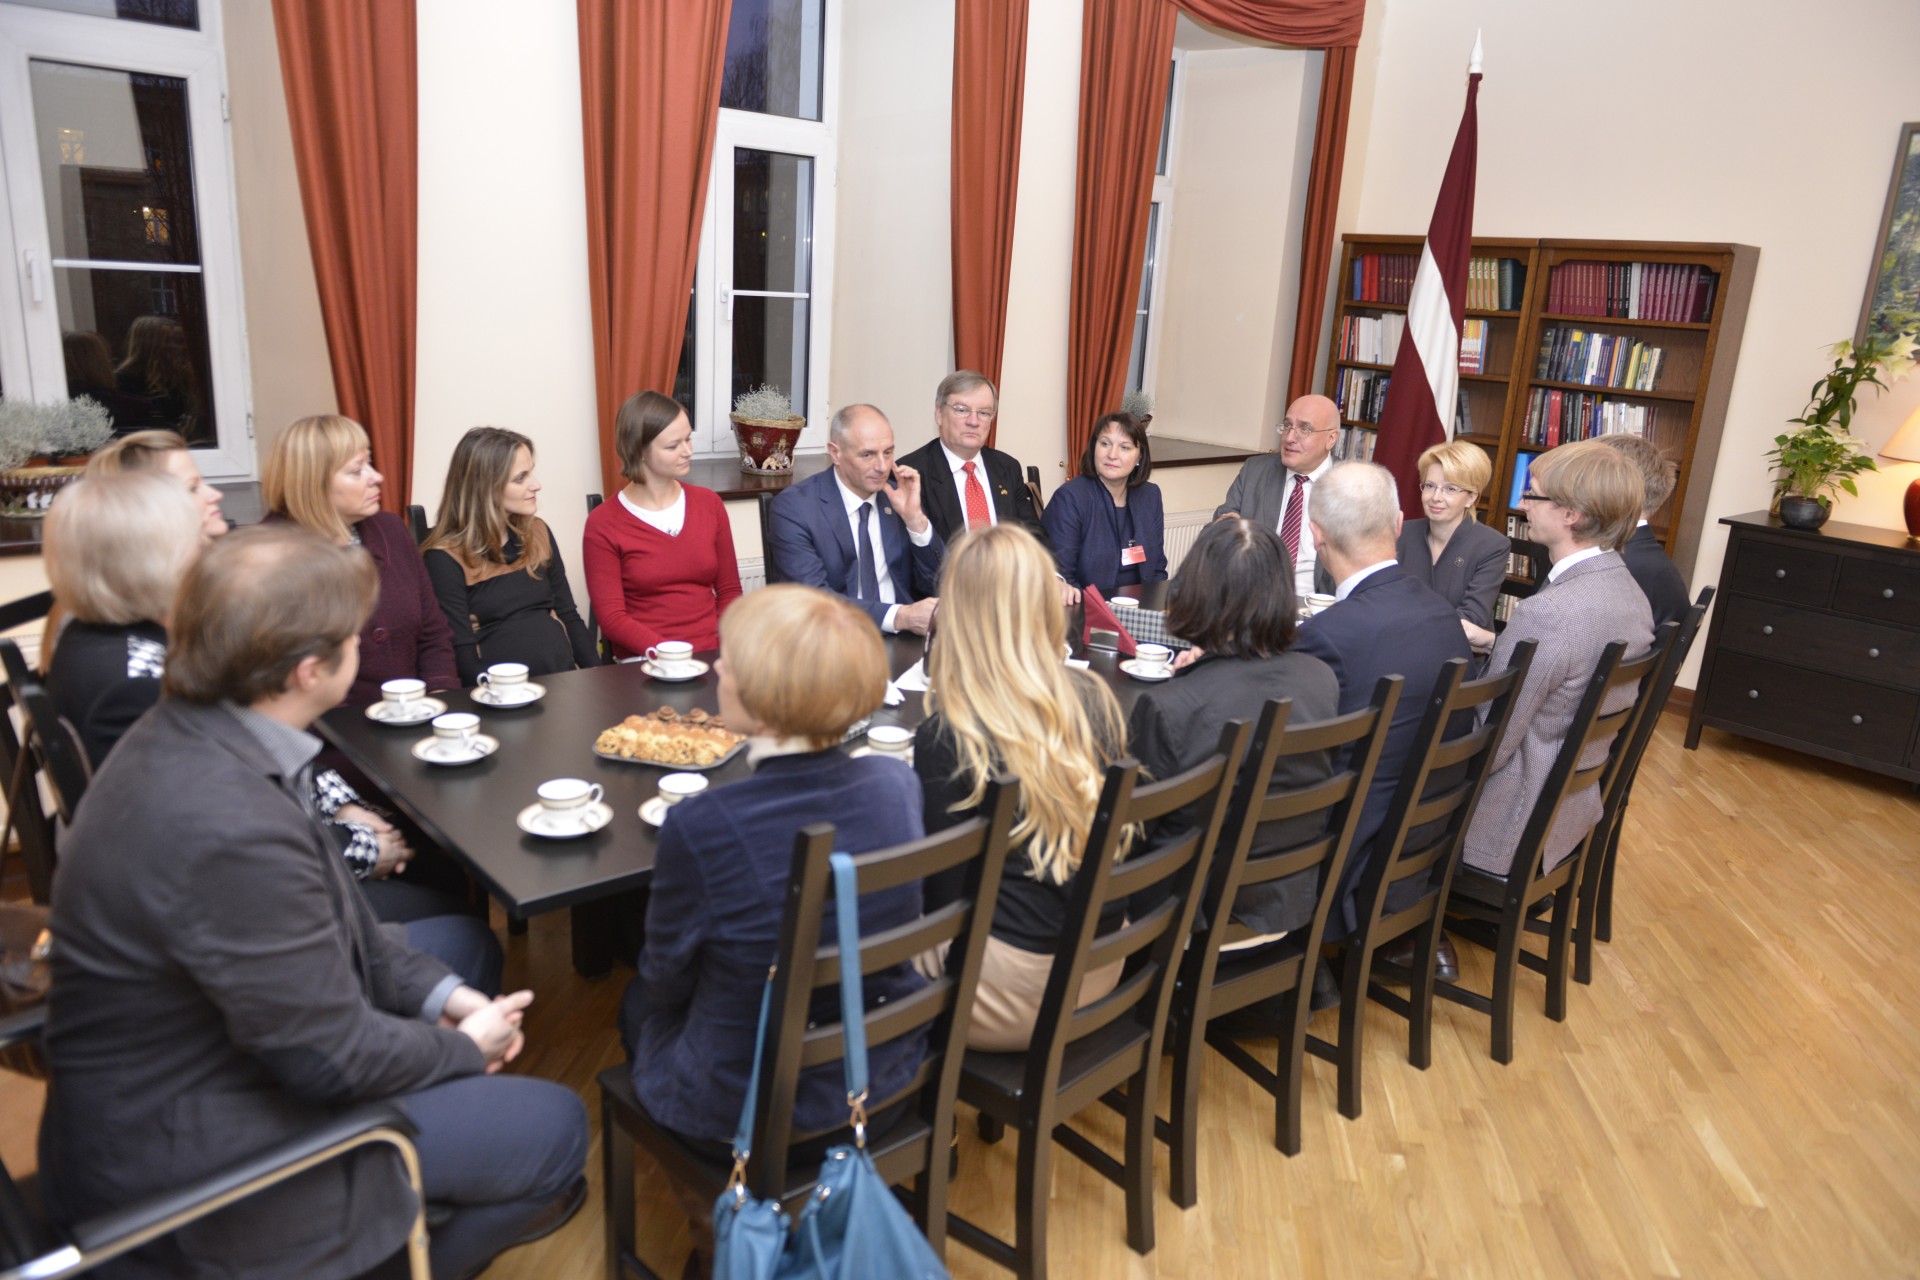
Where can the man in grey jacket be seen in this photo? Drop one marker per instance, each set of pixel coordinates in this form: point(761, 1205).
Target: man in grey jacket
point(220, 984)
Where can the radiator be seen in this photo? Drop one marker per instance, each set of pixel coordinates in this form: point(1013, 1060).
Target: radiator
point(753, 573)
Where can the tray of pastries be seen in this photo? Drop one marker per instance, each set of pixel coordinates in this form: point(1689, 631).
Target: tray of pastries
point(668, 739)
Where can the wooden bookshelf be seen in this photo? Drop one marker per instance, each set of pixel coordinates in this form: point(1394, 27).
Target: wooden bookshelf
point(1687, 399)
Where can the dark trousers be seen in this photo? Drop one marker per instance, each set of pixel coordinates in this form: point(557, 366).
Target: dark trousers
point(462, 943)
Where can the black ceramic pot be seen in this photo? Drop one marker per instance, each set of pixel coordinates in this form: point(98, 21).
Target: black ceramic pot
point(1803, 513)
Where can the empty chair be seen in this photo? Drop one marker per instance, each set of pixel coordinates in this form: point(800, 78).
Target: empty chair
point(1033, 491)
point(1079, 1055)
point(417, 523)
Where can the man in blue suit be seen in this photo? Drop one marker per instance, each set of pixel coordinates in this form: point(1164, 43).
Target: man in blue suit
point(1383, 622)
point(859, 529)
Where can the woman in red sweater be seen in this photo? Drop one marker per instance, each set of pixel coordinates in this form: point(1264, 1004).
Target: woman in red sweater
point(659, 557)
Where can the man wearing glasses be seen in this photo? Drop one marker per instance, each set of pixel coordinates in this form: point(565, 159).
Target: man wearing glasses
point(1276, 489)
point(982, 486)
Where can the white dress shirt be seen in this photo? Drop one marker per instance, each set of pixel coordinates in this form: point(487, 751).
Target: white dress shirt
point(857, 507)
point(1353, 580)
point(1565, 563)
point(1304, 563)
point(958, 464)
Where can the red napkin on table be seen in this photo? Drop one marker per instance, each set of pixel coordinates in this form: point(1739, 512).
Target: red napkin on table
point(1100, 616)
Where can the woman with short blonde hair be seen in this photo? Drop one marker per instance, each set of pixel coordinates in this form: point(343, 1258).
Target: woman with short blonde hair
point(1002, 700)
point(320, 475)
point(759, 645)
point(164, 451)
point(1448, 550)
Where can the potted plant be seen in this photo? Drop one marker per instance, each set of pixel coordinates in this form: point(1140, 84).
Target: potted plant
point(1822, 456)
point(767, 429)
point(44, 447)
point(1139, 405)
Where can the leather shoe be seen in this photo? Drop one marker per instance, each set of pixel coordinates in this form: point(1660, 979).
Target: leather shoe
point(1446, 965)
point(555, 1214)
point(1326, 988)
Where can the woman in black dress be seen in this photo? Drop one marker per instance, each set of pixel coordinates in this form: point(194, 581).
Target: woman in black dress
point(495, 568)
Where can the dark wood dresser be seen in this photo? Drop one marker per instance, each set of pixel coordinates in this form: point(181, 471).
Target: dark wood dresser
point(1815, 644)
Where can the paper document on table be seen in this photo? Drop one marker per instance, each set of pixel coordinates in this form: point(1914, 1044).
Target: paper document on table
point(913, 679)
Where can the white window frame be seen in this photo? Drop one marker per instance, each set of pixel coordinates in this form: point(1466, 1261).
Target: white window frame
point(31, 359)
point(713, 289)
point(1163, 193)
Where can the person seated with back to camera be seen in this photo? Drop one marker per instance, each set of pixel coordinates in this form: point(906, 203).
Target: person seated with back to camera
point(1107, 524)
point(1000, 699)
point(1384, 621)
point(1460, 558)
point(500, 579)
point(858, 529)
point(720, 879)
point(219, 986)
point(1646, 559)
point(659, 556)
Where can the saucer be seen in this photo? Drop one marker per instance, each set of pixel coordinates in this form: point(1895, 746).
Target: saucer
point(386, 712)
point(486, 697)
point(904, 757)
point(654, 811)
point(693, 671)
point(534, 821)
point(1141, 671)
point(483, 746)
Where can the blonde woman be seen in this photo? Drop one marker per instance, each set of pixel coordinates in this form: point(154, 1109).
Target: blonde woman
point(320, 475)
point(1461, 559)
point(1000, 700)
point(500, 579)
point(166, 452)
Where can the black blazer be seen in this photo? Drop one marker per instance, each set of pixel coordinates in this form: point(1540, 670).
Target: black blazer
point(1659, 579)
point(1470, 570)
point(1005, 482)
point(1392, 625)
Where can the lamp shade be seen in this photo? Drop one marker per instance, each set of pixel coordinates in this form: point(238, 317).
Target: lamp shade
point(1905, 445)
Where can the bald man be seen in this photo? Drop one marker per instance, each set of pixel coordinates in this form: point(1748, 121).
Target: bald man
point(1276, 489)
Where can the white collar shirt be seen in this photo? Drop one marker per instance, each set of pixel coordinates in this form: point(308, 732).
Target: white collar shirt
point(1565, 563)
point(856, 506)
point(1306, 560)
point(1353, 580)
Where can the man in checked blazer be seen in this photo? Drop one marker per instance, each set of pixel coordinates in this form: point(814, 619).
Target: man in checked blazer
point(963, 410)
point(1584, 501)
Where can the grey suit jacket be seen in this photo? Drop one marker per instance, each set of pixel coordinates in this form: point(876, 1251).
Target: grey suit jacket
point(221, 985)
point(1259, 493)
point(1470, 569)
point(1593, 604)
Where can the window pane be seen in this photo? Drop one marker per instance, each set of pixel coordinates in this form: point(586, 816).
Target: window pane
point(683, 377)
point(773, 58)
point(1137, 360)
point(770, 346)
point(1166, 122)
point(167, 13)
point(116, 163)
point(772, 221)
point(136, 341)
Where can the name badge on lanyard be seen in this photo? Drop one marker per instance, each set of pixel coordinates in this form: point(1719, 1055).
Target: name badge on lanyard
point(1132, 553)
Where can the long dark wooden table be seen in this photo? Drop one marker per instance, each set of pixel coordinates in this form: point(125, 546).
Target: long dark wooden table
point(469, 810)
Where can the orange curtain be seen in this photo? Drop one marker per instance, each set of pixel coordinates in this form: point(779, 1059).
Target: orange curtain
point(650, 96)
point(349, 71)
point(989, 79)
point(1126, 47)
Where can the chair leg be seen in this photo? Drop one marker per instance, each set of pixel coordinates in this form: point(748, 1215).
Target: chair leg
point(1292, 1065)
point(1354, 973)
point(616, 1184)
point(1183, 1145)
point(930, 1188)
point(1142, 1091)
point(991, 1129)
point(1559, 943)
point(1420, 996)
point(1032, 1188)
point(1506, 965)
point(1586, 904)
point(1603, 916)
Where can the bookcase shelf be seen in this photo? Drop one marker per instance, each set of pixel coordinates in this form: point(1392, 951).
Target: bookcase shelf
point(1695, 372)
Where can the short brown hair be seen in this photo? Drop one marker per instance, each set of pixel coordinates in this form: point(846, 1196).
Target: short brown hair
point(842, 676)
point(1135, 432)
point(139, 451)
point(1234, 595)
point(638, 424)
point(1599, 483)
point(1657, 471)
point(297, 481)
point(1462, 462)
point(256, 604)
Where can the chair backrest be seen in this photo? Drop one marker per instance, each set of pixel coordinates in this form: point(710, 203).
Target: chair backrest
point(1033, 489)
point(1328, 810)
point(769, 565)
point(17, 764)
point(1447, 765)
point(1657, 689)
point(600, 646)
point(417, 523)
point(52, 741)
point(18, 613)
point(806, 964)
point(1169, 870)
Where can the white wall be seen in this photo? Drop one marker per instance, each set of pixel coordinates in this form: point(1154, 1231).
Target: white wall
point(505, 330)
point(1762, 122)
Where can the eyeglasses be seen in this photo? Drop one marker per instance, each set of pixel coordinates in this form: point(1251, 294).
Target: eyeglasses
point(1451, 490)
point(968, 411)
point(1534, 495)
point(1301, 430)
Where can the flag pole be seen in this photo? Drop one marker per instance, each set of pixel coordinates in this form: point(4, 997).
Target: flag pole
point(1473, 63)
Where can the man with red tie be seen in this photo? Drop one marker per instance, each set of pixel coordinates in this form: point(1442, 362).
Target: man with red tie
point(967, 484)
point(1276, 489)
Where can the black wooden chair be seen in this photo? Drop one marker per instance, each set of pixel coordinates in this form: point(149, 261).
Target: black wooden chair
point(1033, 490)
point(29, 821)
point(917, 1146)
point(1213, 982)
point(1403, 888)
point(770, 566)
point(32, 1246)
point(1493, 910)
point(52, 743)
point(1078, 1055)
point(1596, 882)
point(417, 523)
point(600, 645)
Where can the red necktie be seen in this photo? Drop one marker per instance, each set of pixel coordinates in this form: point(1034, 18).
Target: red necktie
point(1290, 522)
point(978, 515)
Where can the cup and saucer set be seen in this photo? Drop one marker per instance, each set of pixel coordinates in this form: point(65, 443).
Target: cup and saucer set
point(1150, 662)
point(405, 702)
point(456, 740)
point(567, 808)
point(674, 788)
point(673, 661)
point(889, 742)
point(505, 685)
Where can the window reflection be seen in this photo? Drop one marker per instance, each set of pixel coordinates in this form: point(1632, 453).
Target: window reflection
point(165, 13)
point(773, 58)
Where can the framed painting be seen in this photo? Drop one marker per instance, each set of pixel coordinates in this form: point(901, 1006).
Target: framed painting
point(1893, 283)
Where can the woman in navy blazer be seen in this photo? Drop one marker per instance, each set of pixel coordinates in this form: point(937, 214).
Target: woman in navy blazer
point(1107, 525)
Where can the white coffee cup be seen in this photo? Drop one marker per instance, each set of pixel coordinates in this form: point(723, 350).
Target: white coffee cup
point(676, 787)
point(401, 692)
point(505, 679)
point(455, 732)
point(1317, 602)
point(671, 655)
point(567, 797)
point(1124, 602)
point(1153, 656)
point(890, 739)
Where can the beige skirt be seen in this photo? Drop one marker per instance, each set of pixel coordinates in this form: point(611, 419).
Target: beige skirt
point(1012, 983)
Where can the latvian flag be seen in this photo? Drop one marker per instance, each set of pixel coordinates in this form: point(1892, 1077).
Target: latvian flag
point(1426, 370)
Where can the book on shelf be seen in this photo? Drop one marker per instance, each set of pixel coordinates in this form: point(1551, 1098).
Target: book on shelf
point(1555, 417)
point(1666, 291)
point(1495, 284)
point(1356, 444)
point(1384, 277)
point(1372, 339)
point(1462, 415)
point(1473, 346)
point(1522, 464)
point(1597, 359)
point(1517, 527)
point(1361, 394)
point(1520, 566)
point(1503, 607)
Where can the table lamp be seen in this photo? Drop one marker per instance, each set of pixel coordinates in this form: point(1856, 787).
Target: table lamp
point(1905, 447)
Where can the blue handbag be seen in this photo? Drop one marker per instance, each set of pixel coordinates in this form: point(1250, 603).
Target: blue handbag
point(851, 1226)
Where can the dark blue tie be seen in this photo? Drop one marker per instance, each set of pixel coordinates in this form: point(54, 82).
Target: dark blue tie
point(869, 579)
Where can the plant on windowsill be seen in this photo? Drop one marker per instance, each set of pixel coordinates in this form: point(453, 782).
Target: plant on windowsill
point(767, 430)
point(1140, 405)
point(44, 447)
point(1822, 457)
